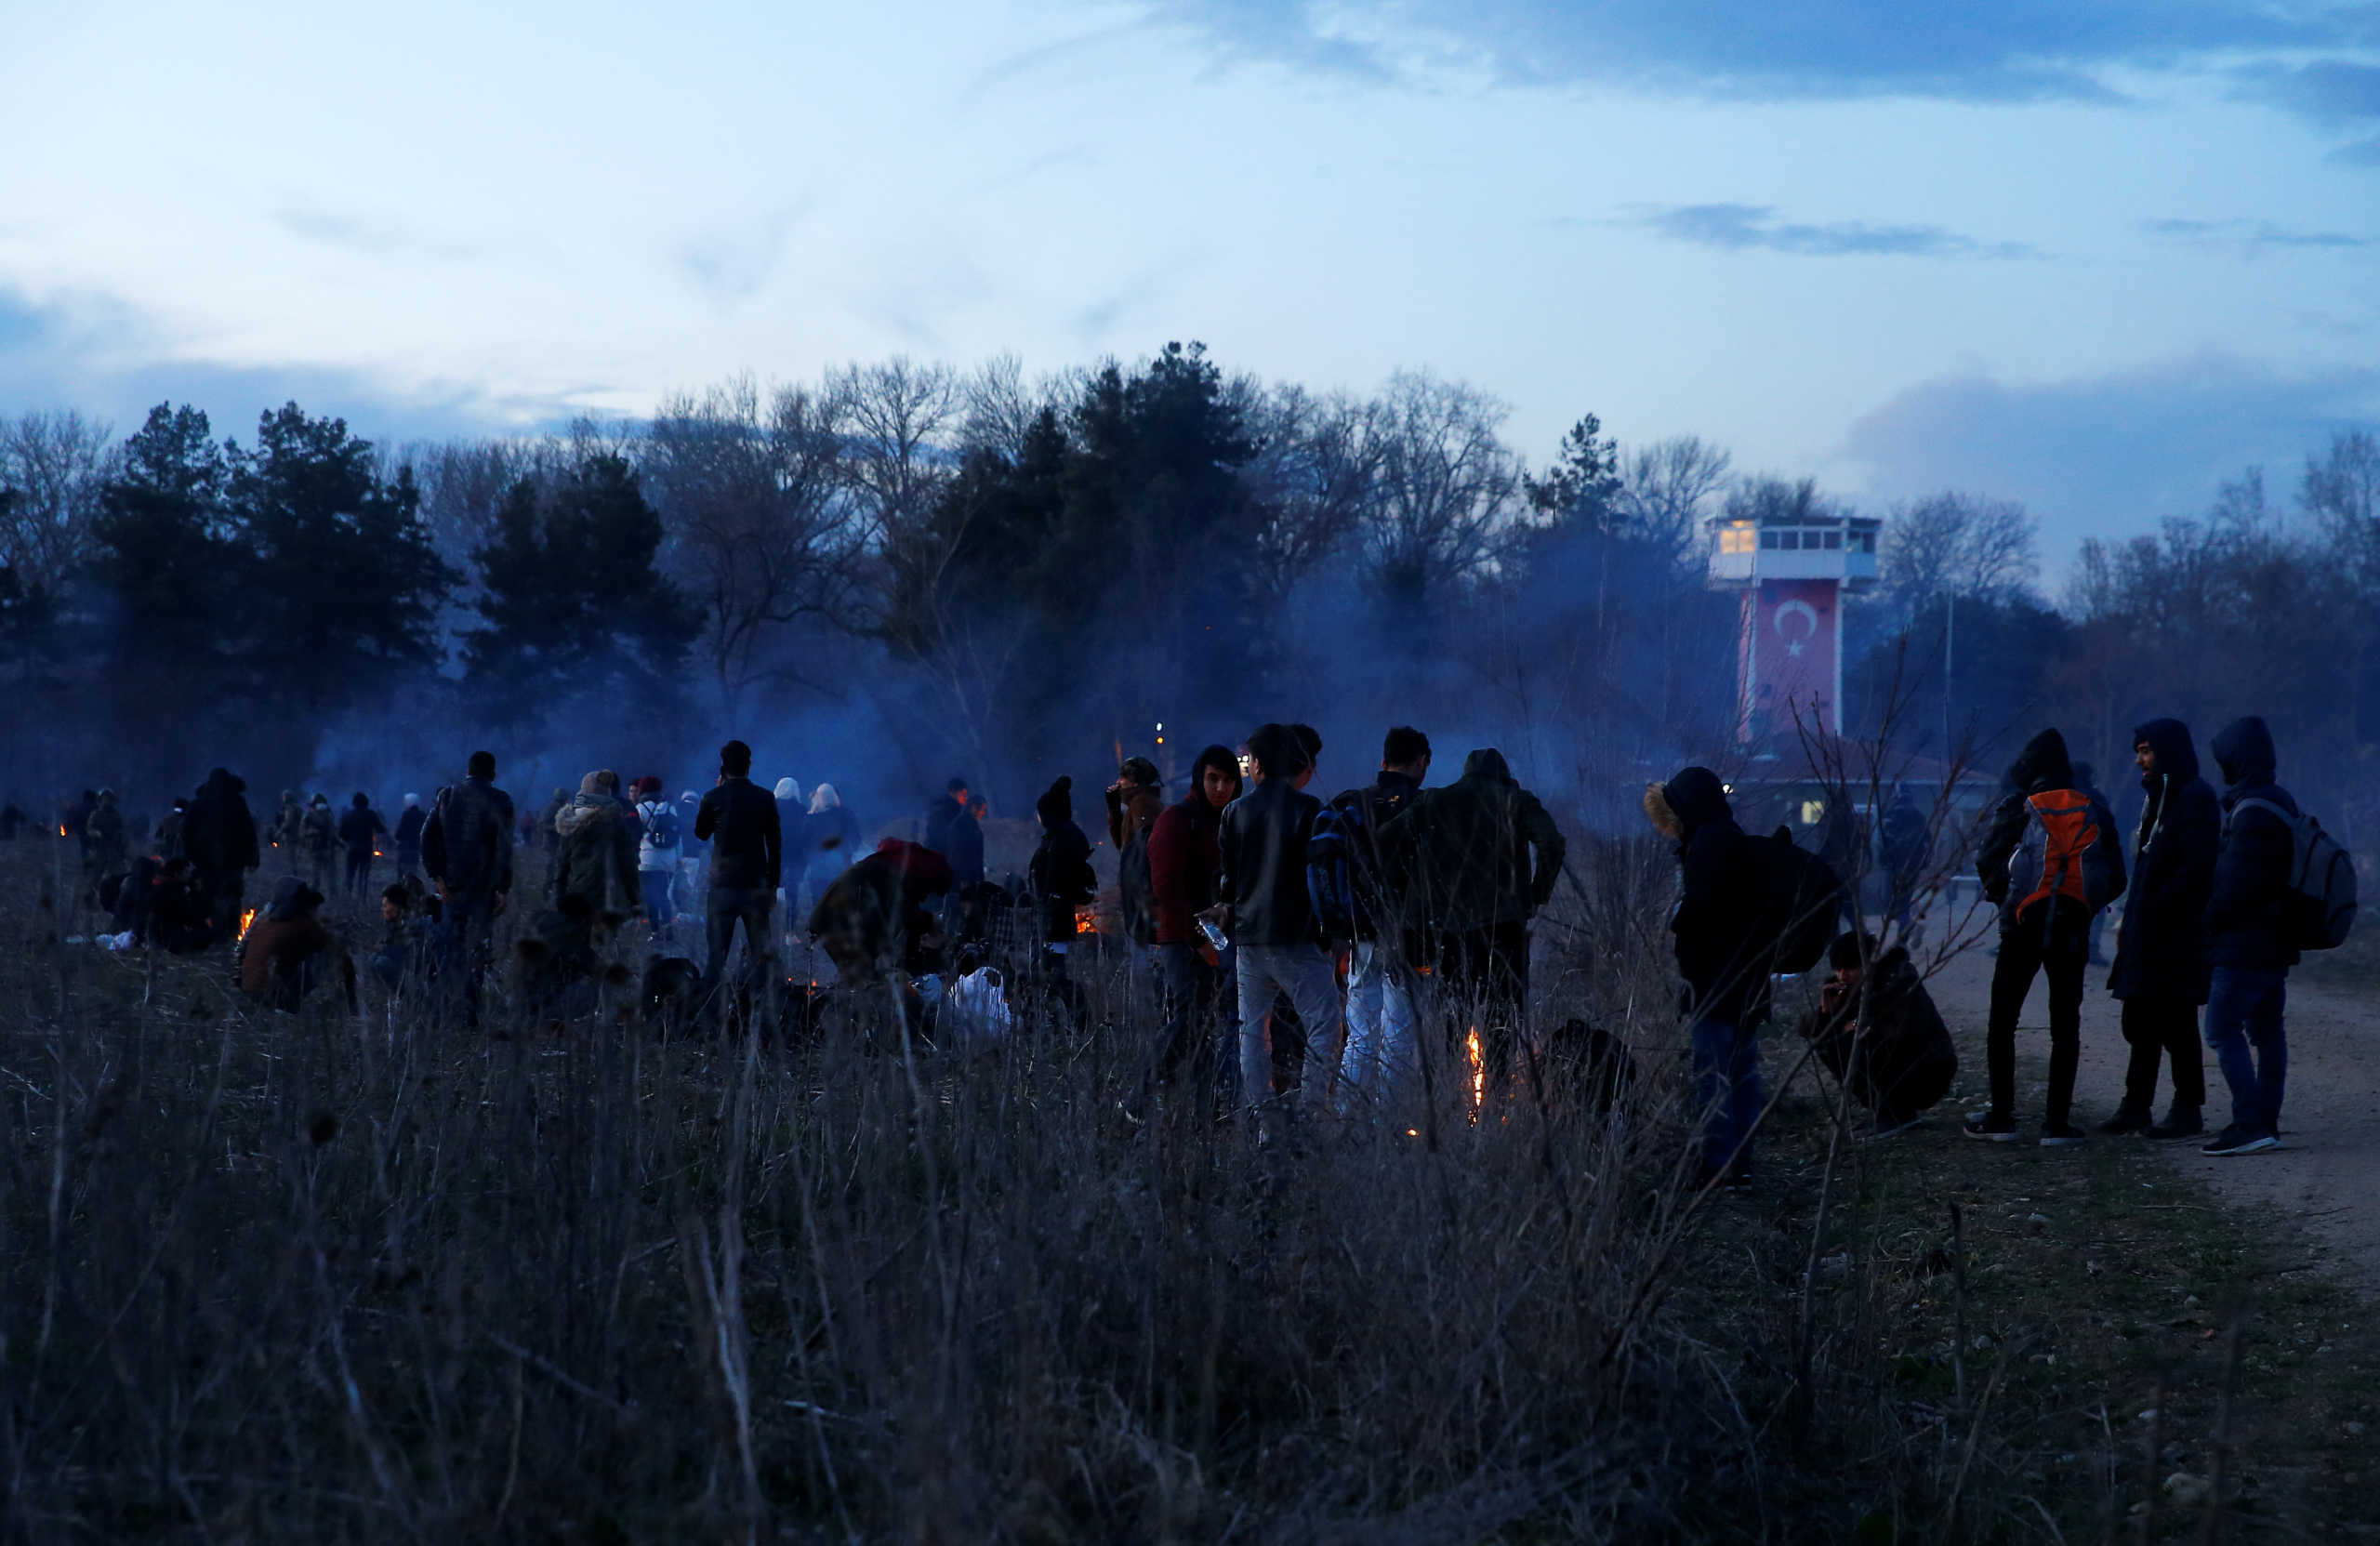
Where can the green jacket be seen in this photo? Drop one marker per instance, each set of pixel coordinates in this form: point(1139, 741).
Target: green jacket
point(1458, 857)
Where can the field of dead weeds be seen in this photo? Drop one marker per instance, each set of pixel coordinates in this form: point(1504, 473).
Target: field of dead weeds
point(330, 1277)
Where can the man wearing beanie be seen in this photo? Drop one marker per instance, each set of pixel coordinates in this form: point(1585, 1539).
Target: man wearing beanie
point(1264, 842)
point(738, 819)
point(1062, 877)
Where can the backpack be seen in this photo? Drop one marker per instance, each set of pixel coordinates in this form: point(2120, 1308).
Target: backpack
point(2319, 909)
point(1136, 888)
point(661, 829)
point(1339, 830)
point(2063, 855)
point(1801, 899)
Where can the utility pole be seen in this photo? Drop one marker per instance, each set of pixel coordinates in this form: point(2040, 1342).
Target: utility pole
point(1950, 632)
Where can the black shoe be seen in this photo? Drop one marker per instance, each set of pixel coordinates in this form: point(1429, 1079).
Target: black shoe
point(2128, 1118)
point(2062, 1135)
point(1992, 1127)
point(2180, 1122)
point(2237, 1140)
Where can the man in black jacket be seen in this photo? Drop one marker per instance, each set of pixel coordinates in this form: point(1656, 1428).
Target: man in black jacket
point(219, 835)
point(2045, 931)
point(360, 832)
point(1381, 983)
point(2247, 941)
point(1263, 883)
point(467, 849)
point(738, 819)
point(2161, 969)
point(1715, 929)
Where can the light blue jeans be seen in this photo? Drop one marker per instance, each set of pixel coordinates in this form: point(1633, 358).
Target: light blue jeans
point(1378, 1063)
point(1304, 973)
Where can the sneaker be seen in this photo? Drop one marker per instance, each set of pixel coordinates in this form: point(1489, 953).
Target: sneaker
point(1992, 1127)
point(2180, 1122)
point(2237, 1140)
point(2128, 1118)
point(2062, 1135)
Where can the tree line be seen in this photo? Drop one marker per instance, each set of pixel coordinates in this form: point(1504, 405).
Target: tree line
point(1012, 572)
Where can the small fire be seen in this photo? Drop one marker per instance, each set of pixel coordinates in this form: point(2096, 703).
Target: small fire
point(246, 918)
point(1086, 922)
point(61, 829)
point(1479, 1071)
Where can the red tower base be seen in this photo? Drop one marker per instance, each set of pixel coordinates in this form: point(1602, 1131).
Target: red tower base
point(1789, 658)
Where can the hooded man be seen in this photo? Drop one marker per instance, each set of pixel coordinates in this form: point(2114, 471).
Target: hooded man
point(360, 832)
point(1263, 841)
point(1060, 878)
point(2247, 938)
point(2161, 971)
point(1472, 862)
point(466, 848)
point(1381, 982)
point(409, 825)
point(219, 835)
point(829, 838)
point(2044, 931)
point(1714, 931)
point(318, 835)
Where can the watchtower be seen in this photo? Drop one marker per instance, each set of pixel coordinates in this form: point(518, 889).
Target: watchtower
point(1792, 568)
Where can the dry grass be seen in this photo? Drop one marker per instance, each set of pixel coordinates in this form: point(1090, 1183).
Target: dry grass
point(311, 1279)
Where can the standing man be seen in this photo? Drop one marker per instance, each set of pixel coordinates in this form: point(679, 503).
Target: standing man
point(360, 832)
point(219, 835)
point(1351, 880)
point(2037, 864)
point(2160, 972)
point(2247, 940)
point(467, 849)
point(943, 812)
point(656, 855)
point(1715, 931)
point(1475, 860)
point(409, 825)
point(738, 819)
point(1185, 862)
point(1263, 842)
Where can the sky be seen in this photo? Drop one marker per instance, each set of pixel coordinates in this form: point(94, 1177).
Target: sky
point(2095, 258)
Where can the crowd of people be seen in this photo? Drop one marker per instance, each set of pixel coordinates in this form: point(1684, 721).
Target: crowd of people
point(1356, 956)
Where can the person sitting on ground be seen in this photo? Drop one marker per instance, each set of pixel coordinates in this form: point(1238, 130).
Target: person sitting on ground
point(287, 949)
point(876, 916)
point(404, 950)
point(1876, 1028)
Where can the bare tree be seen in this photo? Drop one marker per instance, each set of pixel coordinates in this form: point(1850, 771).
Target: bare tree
point(896, 416)
point(1313, 475)
point(748, 488)
point(58, 463)
point(1448, 485)
point(2341, 492)
point(1667, 490)
point(1961, 546)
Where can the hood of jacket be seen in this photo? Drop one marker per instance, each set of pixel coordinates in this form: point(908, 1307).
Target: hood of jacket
point(585, 808)
point(2177, 754)
point(788, 790)
point(1696, 797)
point(291, 896)
point(2043, 764)
point(1487, 763)
point(2243, 750)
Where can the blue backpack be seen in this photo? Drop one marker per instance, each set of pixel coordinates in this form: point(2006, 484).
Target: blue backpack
point(1335, 861)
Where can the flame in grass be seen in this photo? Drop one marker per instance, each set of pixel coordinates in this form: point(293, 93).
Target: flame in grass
point(1086, 922)
point(246, 918)
point(1479, 1071)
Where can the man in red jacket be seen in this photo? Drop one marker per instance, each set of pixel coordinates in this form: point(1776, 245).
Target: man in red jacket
point(1184, 858)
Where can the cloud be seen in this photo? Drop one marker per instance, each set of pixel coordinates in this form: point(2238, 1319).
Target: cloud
point(98, 354)
point(363, 233)
point(2015, 50)
point(2109, 455)
point(1752, 227)
point(731, 265)
point(2331, 92)
point(2255, 238)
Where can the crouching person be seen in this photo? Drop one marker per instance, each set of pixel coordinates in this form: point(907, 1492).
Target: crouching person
point(1876, 1029)
point(288, 952)
point(406, 954)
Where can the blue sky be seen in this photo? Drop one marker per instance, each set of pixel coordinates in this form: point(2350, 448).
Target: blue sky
point(2094, 257)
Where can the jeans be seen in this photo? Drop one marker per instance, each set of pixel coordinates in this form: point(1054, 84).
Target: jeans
point(1189, 995)
point(655, 885)
point(1304, 973)
point(2162, 1029)
point(730, 905)
point(1380, 1026)
point(359, 871)
point(2243, 1009)
point(1726, 1089)
point(469, 941)
point(2060, 951)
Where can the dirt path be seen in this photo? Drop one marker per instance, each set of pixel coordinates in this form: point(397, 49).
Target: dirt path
point(2326, 1175)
